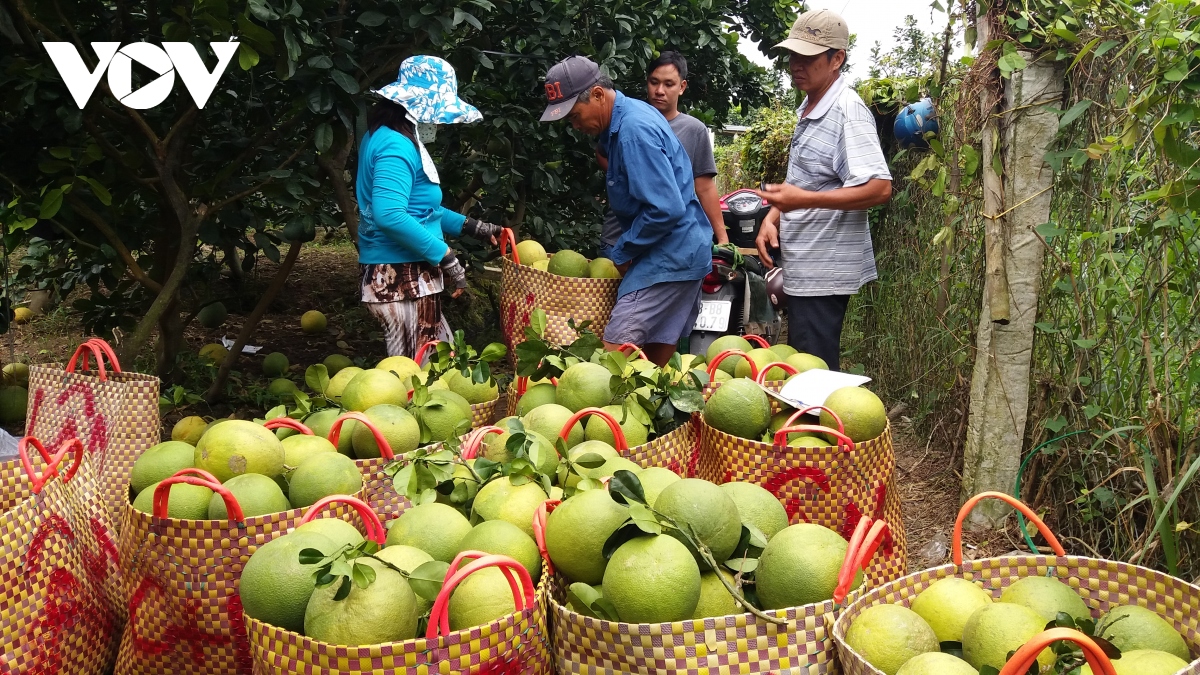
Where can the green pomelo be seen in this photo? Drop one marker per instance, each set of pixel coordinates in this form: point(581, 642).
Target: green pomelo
point(313, 322)
point(323, 475)
point(385, 611)
point(336, 363)
point(542, 265)
point(603, 268)
point(283, 389)
point(275, 364)
point(434, 528)
point(860, 410)
point(758, 507)
point(654, 480)
point(186, 502)
point(499, 499)
point(530, 251)
point(999, 628)
point(636, 433)
point(426, 580)
point(275, 587)
point(715, 599)
point(13, 402)
point(740, 408)
point(408, 559)
point(808, 441)
point(604, 450)
point(887, 636)
point(567, 263)
point(462, 477)
point(803, 362)
point(584, 385)
point(16, 373)
point(543, 451)
point(503, 538)
point(947, 604)
point(724, 344)
point(576, 532)
point(213, 352)
point(341, 533)
point(255, 493)
point(761, 357)
point(399, 428)
point(189, 430)
point(783, 352)
point(1144, 662)
point(720, 376)
point(936, 663)
point(322, 421)
point(160, 462)
point(549, 420)
point(212, 315)
point(450, 417)
point(1133, 627)
point(652, 579)
point(474, 393)
point(1047, 597)
point(481, 598)
point(537, 395)
point(338, 382)
point(708, 510)
point(495, 446)
point(800, 566)
point(237, 447)
point(300, 447)
point(400, 366)
point(371, 388)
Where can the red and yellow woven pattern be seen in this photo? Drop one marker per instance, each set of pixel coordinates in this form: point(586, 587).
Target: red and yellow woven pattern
point(676, 450)
point(524, 289)
point(483, 414)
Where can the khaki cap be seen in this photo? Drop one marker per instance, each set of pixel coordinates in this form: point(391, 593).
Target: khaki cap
point(817, 32)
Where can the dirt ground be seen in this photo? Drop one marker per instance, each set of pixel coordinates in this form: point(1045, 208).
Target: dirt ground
point(326, 279)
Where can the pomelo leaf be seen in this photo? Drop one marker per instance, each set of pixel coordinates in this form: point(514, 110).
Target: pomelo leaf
point(630, 530)
point(364, 575)
point(590, 460)
point(343, 590)
point(486, 468)
point(743, 565)
point(538, 322)
point(311, 556)
point(582, 595)
point(317, 378)
point(626, 484)
point(493, 352)
point(757, 538)
point(644, 517)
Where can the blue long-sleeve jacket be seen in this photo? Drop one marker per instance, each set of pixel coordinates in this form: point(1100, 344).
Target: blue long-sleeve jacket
point(401, 215)
point(666, 235)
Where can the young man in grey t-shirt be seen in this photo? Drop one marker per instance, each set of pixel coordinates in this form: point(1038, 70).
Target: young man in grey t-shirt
point(666, 82)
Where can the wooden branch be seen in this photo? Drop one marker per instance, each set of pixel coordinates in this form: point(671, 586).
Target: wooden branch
point(32, 21)
point(189, 230)
point(263, 139)
point(249, 191)
point(72, 32)
point(185, 120)
point(114, 153)
point(346, 202)
point(251, 322)
point(28, 40)
point(110, 234)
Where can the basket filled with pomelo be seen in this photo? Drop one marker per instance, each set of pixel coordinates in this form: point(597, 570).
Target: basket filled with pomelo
point(969, 617)
point(752, 357)
point(458, 368)
point(566, 285)
point(427, 596)
point(682, 576)
point(830, 464)
point(196, 516)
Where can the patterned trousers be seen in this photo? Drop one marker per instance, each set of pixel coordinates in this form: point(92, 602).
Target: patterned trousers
point(408, 324)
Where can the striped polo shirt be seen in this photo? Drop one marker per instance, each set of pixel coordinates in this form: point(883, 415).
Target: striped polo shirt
point(826, 251)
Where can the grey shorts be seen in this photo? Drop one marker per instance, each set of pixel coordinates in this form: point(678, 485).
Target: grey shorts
point(660, 314)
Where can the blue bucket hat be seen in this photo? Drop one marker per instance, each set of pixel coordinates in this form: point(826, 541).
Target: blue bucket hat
point(428, 87)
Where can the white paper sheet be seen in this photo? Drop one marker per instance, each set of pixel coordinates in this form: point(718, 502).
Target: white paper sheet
point(812, 387)
point(246, 349)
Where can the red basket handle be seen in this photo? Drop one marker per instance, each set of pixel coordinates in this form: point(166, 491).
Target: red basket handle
point(786, 367)
point(162, 493)
point(83, 351)
point(539, 529)
point(844, 441)
point(758, 340)
point(1028, 653)
point(53, 461)
point(956, 544)
point(507, 238)
point(475, 440)
point(804, 411)
point(618, 433)
point(376, 532)
point(633, 350)
point(867, 537)
point(432, 344)
point(289, 423)
point(521, 386)
point(712, 366)
point(521, 586)
point(335, 432)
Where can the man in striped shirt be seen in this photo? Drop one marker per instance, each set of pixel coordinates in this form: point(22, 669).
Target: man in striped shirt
point(836, 171)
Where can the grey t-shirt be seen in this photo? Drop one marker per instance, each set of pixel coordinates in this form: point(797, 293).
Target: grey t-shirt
point(693, 135)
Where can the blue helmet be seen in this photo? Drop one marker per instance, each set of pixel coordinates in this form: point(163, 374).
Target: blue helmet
point(914, 121)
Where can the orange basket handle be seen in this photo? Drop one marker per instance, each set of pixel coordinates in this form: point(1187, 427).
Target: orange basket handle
point(617, 432)
point(1028, 653)
point(844, 441)
point(630, 349)
point(785, 367)
point(376, 532)
point(432, 344)
point(475, 440)
point(335, 432)
point(289, 423)
point(507, 238)
point(521, 586)
point(758, 340)
point(83, 350)
point(712, 366)
point(868, 535)
point(162, 493)
point(956, 543)
point(53, 461)
point(539, 528)
point(804, 411)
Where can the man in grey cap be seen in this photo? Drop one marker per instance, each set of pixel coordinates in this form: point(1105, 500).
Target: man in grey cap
point(836, 171)
point(665, 247)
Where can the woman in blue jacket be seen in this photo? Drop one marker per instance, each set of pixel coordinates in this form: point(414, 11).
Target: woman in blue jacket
point(401, 234)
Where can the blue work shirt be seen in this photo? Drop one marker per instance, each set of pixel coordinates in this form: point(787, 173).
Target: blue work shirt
point(665, 232)
point(401, 215)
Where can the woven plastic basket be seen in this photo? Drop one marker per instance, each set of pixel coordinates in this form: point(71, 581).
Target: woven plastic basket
point(524, 289)
point(1103, 584)
point(482, 414)
point(378, 490)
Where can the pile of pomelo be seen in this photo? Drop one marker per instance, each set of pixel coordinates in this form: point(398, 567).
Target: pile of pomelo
point(14, 394)
point(565, 263)
point(901, 640)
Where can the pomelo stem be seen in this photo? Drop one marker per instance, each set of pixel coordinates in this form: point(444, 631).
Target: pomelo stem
point(708, 558)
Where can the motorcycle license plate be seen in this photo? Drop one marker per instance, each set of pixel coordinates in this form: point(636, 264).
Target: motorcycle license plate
point(714, 315)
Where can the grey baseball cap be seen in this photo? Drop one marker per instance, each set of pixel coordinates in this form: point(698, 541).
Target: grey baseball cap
point(565, 81)
point(817, 32)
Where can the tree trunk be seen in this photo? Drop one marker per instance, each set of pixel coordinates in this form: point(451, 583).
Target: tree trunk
point(1015, 256)
point(170, 341)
